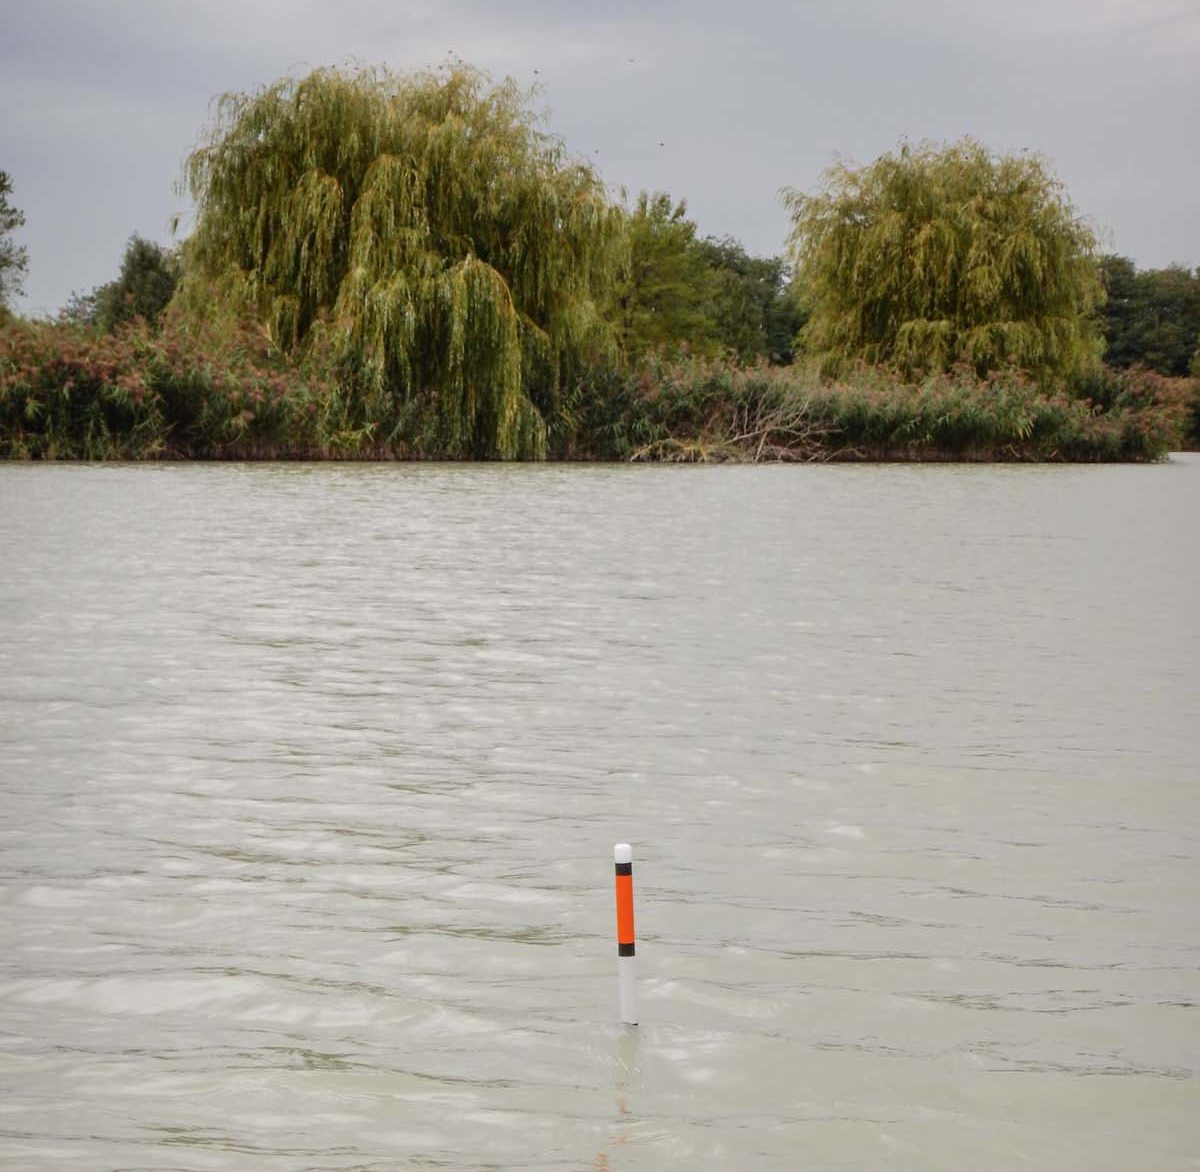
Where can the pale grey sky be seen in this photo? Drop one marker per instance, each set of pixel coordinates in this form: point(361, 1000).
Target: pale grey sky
point(103, 99)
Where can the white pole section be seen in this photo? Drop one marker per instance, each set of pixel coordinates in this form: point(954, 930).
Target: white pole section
point(626, 975)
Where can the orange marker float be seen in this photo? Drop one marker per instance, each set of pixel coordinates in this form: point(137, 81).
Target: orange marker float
point(626, 983)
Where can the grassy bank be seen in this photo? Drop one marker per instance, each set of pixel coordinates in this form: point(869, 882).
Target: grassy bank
point(221, 391)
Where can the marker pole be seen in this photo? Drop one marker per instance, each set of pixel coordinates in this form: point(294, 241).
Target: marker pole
point(626, 976)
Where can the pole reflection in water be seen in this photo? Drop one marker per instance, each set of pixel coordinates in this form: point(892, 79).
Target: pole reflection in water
point(625, 1053)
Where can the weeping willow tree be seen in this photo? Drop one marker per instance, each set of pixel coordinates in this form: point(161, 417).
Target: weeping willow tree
point(424, 231)
point(932, 257)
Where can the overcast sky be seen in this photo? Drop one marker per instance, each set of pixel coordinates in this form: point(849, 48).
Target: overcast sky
point(718, 103)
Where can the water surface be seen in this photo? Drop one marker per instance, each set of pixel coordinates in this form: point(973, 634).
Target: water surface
point(310, 776)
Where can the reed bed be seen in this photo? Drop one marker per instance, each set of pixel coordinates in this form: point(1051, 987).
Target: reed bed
point(221, 390)
point(706, 411)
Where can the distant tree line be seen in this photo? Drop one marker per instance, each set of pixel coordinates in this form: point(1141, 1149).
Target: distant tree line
point(713, 296)
point(408, 265)
point(1151, 317)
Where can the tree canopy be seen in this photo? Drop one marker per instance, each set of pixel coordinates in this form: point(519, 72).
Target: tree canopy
point(13, 257)
point(1151, 317)
point(755, 309)
point(423, 229)
point(143, 288)
point(676, 291)
point(934, 256)
point(665, 287)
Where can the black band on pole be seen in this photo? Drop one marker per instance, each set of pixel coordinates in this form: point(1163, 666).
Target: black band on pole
point(624, 868)
point(625, 950)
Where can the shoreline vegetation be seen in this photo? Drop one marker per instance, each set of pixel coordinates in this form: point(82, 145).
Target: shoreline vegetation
point(408, 267)
point(175, 392)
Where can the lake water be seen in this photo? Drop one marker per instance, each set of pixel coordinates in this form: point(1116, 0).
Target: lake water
point(310, 777)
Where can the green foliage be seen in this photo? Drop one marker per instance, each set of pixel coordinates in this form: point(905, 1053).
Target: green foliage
point(14, 259)
point(197, 390)
point(144, 287)
point(680, 294)
point(420, 234)
point(665, 288)
point(932, 257)
point(702, 410)
point(407, 267)
point(754, 308)
point(1110, 389)
point(1151, 317)
point(71, 395)
point(220, 388)
point(1192, 439)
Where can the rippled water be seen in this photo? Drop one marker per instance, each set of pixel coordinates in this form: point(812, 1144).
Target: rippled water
point(311, 776)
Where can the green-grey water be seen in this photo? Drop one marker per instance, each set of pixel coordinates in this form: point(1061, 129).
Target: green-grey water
point(310, 776)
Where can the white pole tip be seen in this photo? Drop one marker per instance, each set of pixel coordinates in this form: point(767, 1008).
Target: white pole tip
point(622, 853)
